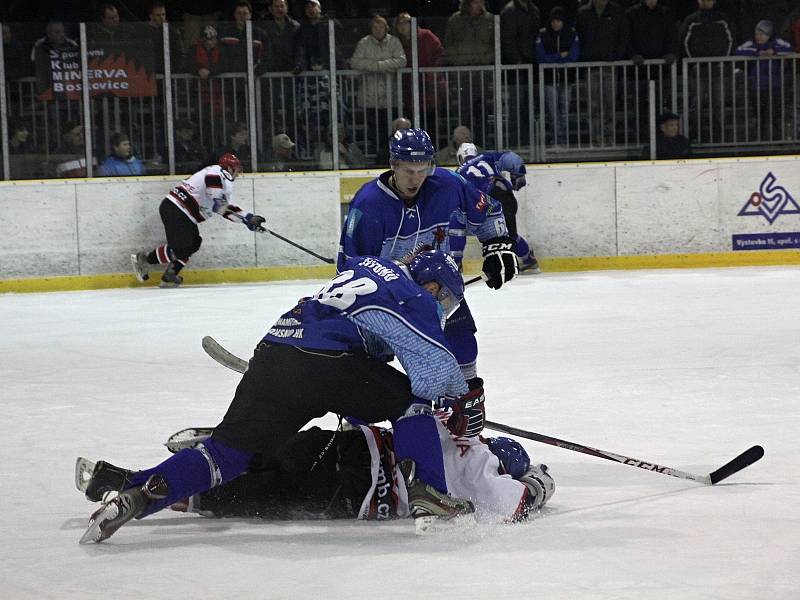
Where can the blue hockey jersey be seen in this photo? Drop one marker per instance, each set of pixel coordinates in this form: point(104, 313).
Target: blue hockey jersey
point(373, 306)
point(446, 209)
point(481, 172)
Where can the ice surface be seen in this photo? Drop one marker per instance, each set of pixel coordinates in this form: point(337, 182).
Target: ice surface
point(684, 368)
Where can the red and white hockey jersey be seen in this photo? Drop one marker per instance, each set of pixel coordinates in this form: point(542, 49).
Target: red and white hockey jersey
point(471, 472)
point(208, 191)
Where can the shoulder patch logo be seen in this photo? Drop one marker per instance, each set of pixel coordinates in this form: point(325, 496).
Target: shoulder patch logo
point(483, 203)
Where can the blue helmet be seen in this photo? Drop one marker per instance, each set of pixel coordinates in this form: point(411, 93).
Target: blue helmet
point(512, 164)
point(411, 145)
point(513, 458)
point(438, 266)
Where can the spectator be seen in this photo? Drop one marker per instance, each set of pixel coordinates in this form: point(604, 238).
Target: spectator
point(121, 162)
point(207, 61)
point(197, 14)
point(519, 24)
point(350, 154)
point(430, 53)
point(237, 144)
point(279, 33)
point(311, 42)
point(282, 154)
point(154, 38)
point(108, 32)
point(745, 14)
point(570, 9)
point(766, 81)
point(189, 157)
point(233, 36)
point(603, 31)
point(53, 46)
point(378, 55)
point(19, 138)
point(71, 153)
point(791, 28)
point(469, 37)
point(706, 32)
point(447, 156)
point(557, 44)
point(670, 144)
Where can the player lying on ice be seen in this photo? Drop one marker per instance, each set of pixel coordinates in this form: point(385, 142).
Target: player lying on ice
point(350, 474)
point(330, 353)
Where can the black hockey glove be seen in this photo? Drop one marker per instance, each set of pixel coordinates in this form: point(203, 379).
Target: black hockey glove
point(499, 261)
point(254, 222)
point(469, 411)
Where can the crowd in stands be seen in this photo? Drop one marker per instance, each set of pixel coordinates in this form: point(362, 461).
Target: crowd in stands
point(208, 38)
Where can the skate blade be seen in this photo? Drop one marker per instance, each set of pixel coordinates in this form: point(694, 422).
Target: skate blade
point(84, 468)
point(187, 438)
point(431, 525)
point(141, 277)
point(94, 533)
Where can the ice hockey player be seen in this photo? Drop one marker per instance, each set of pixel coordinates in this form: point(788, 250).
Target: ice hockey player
point(499, 175)
point(188, 204)
point(353, 474)
point(415, 202)
point(330, 353)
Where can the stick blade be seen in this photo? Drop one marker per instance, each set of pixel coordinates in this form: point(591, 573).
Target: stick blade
point(745, 459)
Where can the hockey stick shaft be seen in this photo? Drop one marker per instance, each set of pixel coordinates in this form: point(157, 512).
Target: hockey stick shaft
point(330, 261)
point(746, 458)
point(482, 276)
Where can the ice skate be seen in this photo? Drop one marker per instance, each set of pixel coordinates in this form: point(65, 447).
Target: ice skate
point(433, 510)
point(96, 480)
point(170, 279)
point(529, 265)
point(141, 268)
point(126, 506)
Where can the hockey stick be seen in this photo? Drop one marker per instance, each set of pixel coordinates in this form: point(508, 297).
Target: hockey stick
point(330, 261)
point(482, 276)
point(745, 459)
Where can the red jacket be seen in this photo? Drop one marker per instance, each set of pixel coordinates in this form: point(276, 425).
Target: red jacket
point(430, 54)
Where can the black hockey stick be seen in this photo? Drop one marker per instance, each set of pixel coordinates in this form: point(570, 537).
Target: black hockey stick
point(482, 276)
point(260, 229)
point(746, 458)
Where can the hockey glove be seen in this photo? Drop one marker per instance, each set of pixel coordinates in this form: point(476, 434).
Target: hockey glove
point(254, 222)
point(469, 411)
point(499, 261)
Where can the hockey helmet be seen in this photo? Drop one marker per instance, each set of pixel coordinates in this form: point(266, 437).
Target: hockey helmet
point(511, 167)
point(411, 145)
point(439, 266)
point(513, 458)
point(228, 162)
point(466, 151)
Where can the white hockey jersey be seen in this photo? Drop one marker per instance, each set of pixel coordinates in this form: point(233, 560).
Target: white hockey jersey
point(208, 191)
point(471, 472)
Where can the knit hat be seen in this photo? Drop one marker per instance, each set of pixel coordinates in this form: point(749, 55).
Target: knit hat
point(766, 27)
point(668, 116)
point(557, 13)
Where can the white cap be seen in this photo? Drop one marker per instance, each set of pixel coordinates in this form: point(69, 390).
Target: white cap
point(466, 151)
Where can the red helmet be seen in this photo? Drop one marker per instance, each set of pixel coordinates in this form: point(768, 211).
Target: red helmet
point(230, 163)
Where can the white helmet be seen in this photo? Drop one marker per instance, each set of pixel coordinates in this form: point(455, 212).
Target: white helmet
point(466, 151)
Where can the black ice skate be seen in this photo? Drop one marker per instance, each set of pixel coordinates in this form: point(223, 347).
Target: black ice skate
point(431, 508)
point(530, 266)
point(170, 279)
point(98, 479)
point(141, 268)
point(128, 505)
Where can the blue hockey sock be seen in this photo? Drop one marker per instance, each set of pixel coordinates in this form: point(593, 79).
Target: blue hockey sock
point(523, 249)
point(192, 471)
point(417, 438)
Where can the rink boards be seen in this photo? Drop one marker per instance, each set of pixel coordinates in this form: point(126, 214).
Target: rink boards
point(78, 234)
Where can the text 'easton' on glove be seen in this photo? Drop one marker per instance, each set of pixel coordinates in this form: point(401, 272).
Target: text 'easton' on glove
point(499, 261)
point(469, 411)
point(254, 222)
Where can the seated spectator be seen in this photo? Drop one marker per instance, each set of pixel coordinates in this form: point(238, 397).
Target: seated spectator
point(282, 155)
point(233, 36)
point(189, 156)
point(447, 156)
point(350, 154)
point(19, 138)
point(670, 144)
point(71, 155)
point(469, 37)
point(121, 162)
point(765, 78)
point(237, 144)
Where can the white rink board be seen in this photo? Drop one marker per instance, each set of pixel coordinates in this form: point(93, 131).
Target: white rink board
point(89, 227)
